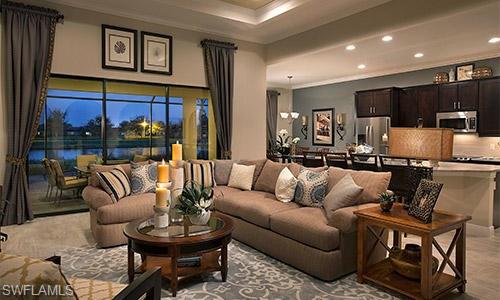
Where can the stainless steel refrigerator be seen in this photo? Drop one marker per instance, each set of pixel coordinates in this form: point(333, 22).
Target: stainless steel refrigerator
point(373, 131)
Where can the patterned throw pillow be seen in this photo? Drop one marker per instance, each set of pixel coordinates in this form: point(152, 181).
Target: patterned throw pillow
point(311, 188)
point(201, 173)
point(143, 178)
point(115, 183)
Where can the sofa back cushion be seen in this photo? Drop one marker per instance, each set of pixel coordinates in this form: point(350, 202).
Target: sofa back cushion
point(373, 183)
point(222, 170)
point(295, 168)
point(259, 164)
point(268, 177)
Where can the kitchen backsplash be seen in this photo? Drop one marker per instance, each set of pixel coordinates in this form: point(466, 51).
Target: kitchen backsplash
point(472, 145)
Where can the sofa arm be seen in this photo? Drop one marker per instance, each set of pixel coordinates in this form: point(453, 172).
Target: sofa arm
point(345, 220)
point(96, 197)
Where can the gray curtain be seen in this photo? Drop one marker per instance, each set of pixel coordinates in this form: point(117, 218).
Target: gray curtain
point(29, 35)
point(271, 117)
point(219, 66)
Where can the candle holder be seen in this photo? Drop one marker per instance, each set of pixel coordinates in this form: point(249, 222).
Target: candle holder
point(177, 175)
point(161, 217)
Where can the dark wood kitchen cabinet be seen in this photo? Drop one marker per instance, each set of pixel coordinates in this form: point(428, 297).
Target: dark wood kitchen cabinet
point(418, 103)
point(489, 107)
point(458, 96)
point(377, 103)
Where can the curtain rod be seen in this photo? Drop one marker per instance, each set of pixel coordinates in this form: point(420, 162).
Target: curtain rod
point(219, 44)
point(32, 9)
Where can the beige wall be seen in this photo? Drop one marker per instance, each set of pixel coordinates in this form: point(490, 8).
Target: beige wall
point(78, 52)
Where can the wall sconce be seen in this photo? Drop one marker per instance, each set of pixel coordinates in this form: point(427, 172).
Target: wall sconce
point(305, 122)
point(289, 116)
point(340, 120)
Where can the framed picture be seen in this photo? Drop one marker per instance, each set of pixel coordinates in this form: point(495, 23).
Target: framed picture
point(156, 52)
point(424, 200)
point(464, 72)
point(119, 48)
point(323, 131)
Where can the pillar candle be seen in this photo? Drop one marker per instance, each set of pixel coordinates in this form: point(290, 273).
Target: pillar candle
point(162, 195)
point(163, 172)
point(177, 151)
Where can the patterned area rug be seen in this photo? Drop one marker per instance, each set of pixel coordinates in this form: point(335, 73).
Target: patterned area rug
point(252, 275)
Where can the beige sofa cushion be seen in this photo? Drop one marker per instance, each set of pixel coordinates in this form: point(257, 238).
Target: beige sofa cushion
point(268, 177)
point(224, 190)
point(259, 164)
point(373, 183)
point(307, 225)
point(223, 170)
point(253, 206)
point(295, 169)
point(344, 218)
point(127, 209)
point(96, 197)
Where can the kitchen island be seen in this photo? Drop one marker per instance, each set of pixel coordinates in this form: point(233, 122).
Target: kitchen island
point(470, 189)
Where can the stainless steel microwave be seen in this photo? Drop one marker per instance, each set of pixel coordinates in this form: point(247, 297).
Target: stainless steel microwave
point(460, 121)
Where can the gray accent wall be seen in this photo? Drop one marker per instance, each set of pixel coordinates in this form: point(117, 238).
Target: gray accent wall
point(341, 96)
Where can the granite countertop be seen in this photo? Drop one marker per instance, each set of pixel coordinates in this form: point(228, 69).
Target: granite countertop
point(465, 167)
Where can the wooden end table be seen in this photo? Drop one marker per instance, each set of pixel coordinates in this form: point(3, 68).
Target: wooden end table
point(381, 273)
point(164, 248)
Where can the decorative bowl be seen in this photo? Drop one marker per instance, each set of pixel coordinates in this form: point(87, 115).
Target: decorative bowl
point(482, 72)
point(441, 77)
point(407, 262)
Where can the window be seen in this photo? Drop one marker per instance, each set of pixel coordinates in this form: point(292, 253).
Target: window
point(140, 119)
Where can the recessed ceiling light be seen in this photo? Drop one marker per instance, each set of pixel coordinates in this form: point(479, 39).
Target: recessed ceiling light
point(494, 40)
point(350, 47)
point(387, 38)
point(361, 66)
point(418, 55)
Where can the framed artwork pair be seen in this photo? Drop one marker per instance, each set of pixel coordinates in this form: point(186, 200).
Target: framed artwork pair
point(119, 50)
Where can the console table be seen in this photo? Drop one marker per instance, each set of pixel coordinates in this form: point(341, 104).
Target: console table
point(381, 273)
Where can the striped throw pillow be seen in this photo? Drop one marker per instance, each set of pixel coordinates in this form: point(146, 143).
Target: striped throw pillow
point(115, 182)
point(201, 173)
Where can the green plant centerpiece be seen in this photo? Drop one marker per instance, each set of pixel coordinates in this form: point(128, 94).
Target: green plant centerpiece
point(386, 201)
point(195, 202)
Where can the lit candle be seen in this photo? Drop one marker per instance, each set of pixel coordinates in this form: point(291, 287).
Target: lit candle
point(177, 151)
point(162, 195)
point(163, 172)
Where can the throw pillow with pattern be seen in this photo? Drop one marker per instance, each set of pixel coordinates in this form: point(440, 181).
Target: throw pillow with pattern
point(311, 188)
point(115, 182)
point(143, 178)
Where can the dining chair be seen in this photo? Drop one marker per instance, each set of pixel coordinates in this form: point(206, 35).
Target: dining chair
point(84, 160)
point(51, 179)
point(367, 162)
point(337, 159)
point(140, 158)
point(400, 172)
point(64, 183)
point(313, 159)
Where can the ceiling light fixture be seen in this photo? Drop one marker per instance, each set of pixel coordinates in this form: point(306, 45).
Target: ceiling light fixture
point(361, 66)
point(418, 55)
point(494, 40)
point(350, 47)
point(387, 38)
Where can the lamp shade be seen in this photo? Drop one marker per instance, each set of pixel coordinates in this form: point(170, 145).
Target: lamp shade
point(421, 143)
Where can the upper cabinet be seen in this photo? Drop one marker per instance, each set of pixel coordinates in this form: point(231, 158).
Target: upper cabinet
point(458, 96)
point(418, 104)
point(489, 107)
point(377, 103)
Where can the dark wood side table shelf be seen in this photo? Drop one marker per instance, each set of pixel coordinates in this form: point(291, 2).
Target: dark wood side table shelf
point(381, 273)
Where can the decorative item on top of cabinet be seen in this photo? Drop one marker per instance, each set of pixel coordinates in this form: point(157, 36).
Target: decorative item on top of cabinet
point(441, 77)
point(464, 72)
point(489, 107)
point(458, 96)
point(482, 72)
point(378, 103)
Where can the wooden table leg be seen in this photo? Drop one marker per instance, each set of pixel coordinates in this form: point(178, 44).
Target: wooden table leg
point(361, 249)
point(131, 263)
point(426, 271)
point(460, 257)
point(224, 262)
point(173, 282)
point(396, 239)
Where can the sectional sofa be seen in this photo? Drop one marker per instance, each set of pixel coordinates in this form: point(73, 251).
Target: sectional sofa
point(302, 237)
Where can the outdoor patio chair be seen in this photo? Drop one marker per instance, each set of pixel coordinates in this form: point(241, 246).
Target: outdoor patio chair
point(51, 179)
point(65, 182)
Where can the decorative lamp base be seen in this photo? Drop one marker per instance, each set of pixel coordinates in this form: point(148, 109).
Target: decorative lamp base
point(161, 217)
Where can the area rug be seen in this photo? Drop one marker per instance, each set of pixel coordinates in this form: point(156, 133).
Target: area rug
point(251, 275)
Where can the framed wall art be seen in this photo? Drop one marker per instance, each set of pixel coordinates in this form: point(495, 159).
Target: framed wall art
point(464, 72)
point(323, 127)
point(119, 48)
point(424, 200)
point(156, 52)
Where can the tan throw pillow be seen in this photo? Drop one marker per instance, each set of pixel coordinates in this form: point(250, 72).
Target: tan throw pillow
point(241, 177)
point(373, 183)
point(285, 186)
point(223, 171)
point(345, 193)
point(259, 164)
point(268, 177)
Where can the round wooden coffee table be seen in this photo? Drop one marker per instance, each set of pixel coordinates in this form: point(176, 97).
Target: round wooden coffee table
point(181, 250)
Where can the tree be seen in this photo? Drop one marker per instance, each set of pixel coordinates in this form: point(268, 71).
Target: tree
point(135, 127)
point(57, 123)
point(93, 126)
